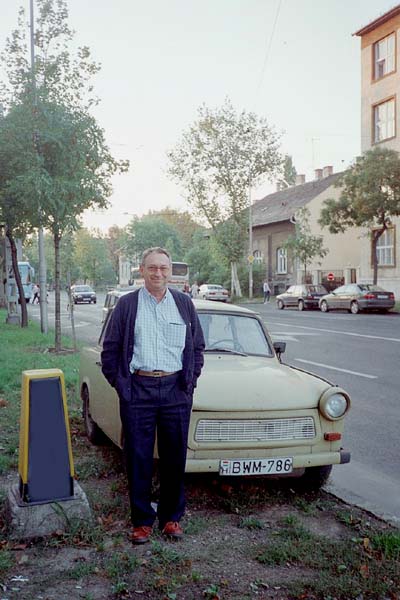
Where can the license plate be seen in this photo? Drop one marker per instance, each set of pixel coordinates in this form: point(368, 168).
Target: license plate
point(382, 296)
point(256, 466)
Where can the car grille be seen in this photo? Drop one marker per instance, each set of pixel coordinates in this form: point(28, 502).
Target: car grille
point(260, 430)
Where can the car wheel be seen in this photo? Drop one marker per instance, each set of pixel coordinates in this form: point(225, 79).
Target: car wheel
point(94, 301)
point(354, 307)
point(93, 431)
point(324, 306)
point(314, 478)
point(301, 305)
point(280, 304)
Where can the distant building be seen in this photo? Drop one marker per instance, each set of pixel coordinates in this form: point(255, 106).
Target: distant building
point(380, 125)
point(274, 221)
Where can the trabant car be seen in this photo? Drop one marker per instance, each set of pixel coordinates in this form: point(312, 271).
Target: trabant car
point(252, 415)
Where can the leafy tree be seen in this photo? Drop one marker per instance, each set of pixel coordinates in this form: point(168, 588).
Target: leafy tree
point(65, 166)
point(370, 197)
point(152, 230)
point(203, 260)
point(92, 258)
point(183, 222)
point(15, 213)
point(216, 161)
point(303, 245)
point(289, 172)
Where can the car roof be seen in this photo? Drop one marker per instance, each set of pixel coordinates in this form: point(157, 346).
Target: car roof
point(207, 305)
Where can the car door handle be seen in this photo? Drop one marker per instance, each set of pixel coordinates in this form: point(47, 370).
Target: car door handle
point(98, 362)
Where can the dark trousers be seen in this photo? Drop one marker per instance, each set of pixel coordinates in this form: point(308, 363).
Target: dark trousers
point(156, 405)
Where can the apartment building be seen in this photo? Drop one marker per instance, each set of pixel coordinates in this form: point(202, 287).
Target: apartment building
point(380, 125)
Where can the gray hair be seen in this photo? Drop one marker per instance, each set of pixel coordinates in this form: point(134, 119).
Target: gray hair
point(155, 250)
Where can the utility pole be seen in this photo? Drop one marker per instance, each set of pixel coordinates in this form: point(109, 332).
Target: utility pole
point(42, 258)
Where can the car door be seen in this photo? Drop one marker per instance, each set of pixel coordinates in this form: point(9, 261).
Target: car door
point(290, 299)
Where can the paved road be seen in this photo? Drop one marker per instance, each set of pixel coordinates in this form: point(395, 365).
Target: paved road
point(358, 352)
point(361, 354)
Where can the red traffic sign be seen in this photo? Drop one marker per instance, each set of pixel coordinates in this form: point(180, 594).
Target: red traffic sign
point(330, 277)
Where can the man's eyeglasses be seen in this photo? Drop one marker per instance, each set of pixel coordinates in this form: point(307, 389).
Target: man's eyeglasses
point(152, 269)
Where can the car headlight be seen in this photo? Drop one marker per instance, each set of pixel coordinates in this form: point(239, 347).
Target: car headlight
point(334, 404)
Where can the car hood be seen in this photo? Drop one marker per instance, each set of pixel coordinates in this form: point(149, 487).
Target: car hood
point(239, 383)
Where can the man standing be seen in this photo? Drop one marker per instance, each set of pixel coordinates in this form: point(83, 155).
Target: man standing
point(266, 290)
point(153, 355)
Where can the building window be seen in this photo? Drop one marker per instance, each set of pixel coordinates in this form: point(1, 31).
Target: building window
point(258, 258)
point(281, 260)
point(384, 125)
point(385, 249)
point(384, 56)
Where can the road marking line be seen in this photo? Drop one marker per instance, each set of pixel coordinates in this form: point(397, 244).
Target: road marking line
point(310, 362)
point(362, 335)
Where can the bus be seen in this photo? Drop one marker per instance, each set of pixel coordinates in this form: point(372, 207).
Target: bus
point(27, 273)
point(179, 277)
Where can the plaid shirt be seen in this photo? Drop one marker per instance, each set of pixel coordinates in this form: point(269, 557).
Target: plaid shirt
point(159, 333)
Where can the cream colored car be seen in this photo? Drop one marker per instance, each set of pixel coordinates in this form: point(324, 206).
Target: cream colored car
point(252, 415)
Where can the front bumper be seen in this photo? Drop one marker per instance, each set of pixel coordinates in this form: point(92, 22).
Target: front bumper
point(300, 461)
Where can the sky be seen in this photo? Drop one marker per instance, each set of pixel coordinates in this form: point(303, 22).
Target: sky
point(293, 62)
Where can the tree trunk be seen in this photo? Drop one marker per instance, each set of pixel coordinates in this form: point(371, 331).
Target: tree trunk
point(71, 310)
point(57, 338)
point(376, 234)
point(14, 259)
point(235, 281)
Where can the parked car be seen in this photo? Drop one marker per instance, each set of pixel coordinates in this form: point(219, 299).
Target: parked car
point(301, 296)
point(358, 296)
point(83, 293)
point(211, 291)
point(252, 415)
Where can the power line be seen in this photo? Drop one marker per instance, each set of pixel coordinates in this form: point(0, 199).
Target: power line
point(268, 50)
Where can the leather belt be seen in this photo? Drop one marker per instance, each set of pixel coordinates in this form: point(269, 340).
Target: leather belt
point(153, 373)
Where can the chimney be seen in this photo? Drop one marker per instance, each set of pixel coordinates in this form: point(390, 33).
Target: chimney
point(318, 174)
point(326, 171)
point(300, 179)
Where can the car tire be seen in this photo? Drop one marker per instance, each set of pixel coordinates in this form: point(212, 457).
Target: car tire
point(324, 306)
point(301, 305)
point(354, 307)
point(280, 304)
point(314, 478)
point(93, 431)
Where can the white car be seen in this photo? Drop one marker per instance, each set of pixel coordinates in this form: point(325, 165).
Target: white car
point(252, 415)
point(209, 291)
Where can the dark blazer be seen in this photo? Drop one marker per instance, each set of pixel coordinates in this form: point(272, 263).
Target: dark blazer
point(119, 339)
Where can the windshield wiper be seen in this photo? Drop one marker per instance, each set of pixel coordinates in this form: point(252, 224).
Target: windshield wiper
point(227, 350)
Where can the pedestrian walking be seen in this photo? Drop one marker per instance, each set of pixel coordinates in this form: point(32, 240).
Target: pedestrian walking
point(36, 294)
point(153, 355)
point(194, 290)
point(266, 291)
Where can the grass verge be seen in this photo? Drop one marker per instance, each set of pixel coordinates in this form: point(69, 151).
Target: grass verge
point(244, 539)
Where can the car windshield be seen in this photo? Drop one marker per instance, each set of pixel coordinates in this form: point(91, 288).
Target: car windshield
point(82, 288)
point(234, 333)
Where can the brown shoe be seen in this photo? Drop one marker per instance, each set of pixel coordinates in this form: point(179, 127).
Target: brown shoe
point(173, 530)
point(141, 534)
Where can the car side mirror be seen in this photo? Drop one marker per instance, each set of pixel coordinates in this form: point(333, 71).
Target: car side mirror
point(279, 348)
